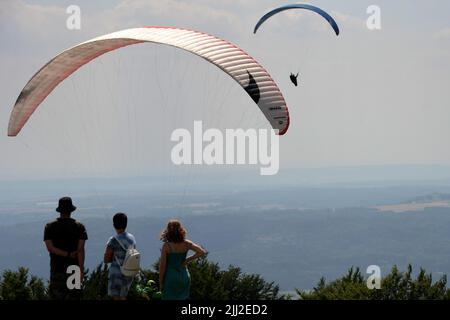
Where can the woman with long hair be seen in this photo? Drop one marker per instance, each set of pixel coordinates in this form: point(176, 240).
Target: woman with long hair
point(174, 277)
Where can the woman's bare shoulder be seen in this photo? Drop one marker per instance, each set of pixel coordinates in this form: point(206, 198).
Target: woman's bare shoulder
point(188, 242)
point(165, 246)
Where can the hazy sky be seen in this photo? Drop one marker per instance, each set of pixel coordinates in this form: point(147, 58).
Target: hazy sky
point(365, 97)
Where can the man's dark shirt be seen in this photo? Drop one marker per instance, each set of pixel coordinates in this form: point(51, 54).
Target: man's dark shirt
point(65, 234)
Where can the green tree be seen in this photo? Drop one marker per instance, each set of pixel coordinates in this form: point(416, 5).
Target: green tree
point(395, 286)
point(351, 286)
point(208, 282)
point(18, 285)
point(95, 286)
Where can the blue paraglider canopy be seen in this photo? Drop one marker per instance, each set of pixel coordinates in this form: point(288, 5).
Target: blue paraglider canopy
point(325, 15)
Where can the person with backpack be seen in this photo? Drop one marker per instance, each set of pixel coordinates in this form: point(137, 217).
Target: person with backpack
point(124, 258)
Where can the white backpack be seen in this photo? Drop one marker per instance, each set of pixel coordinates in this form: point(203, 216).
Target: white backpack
point(131, 263)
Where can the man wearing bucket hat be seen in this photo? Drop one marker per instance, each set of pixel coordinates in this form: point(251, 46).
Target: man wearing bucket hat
point(64, 238)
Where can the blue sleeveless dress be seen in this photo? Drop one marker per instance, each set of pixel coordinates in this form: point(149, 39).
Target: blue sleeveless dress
point(177, 280)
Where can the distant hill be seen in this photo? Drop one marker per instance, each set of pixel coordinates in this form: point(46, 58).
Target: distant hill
point(419, 203)
point(431, 197)
point(291, 247)
point(289, 234)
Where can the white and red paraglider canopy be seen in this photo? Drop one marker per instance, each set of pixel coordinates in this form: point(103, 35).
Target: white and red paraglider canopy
point(225, 55)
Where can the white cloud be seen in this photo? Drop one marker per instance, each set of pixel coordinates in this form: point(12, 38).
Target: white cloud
point(31, 19)
point(132, 13)
point(349, 21)
point(443, 34)
point(19, 19)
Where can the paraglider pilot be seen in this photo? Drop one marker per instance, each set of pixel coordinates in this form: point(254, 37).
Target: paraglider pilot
point(294, 78)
